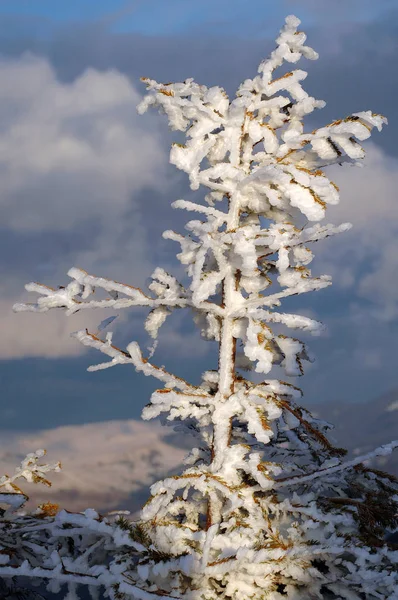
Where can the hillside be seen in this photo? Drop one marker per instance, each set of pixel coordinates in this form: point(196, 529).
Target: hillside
point(363, 426)
point(111, 465)
point(105, 466)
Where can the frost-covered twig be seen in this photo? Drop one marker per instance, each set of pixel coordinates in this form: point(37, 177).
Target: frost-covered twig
point(30, 470)
point(381, 451)
point(132, 356)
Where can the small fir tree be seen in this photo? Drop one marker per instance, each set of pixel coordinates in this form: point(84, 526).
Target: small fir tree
point(266, 508)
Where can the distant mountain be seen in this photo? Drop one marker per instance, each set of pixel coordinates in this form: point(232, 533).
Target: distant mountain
point(111, 465)
point(363, 426)
point(106, 466)
point(359, 427)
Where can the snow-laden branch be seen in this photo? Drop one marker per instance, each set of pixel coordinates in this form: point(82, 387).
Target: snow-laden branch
point(132, 356)
point(73, 296)
point(30, 470)
point(274, 299)
point(207, 210)
point(381, 451)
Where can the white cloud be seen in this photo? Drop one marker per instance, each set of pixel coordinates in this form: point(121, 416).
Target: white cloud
point(365, 259)
point(45, 335)
point(364, 266)
point(72, 153)
point(368, 193)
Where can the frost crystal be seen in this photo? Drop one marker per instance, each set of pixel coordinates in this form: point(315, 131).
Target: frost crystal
point(266, 508)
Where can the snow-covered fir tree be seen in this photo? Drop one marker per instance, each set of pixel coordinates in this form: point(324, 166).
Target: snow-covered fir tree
point(266, 508)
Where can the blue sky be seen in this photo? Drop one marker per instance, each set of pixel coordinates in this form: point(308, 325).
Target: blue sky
point(153, 17)
point(157, 17)
point(68, 71)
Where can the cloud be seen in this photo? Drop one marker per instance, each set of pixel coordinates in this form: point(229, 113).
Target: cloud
point(78, 172)
point(364, 260)
point(70, 152)
point(357, 359)
point(47, 335)
point(353, 73)
point(76, 166)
